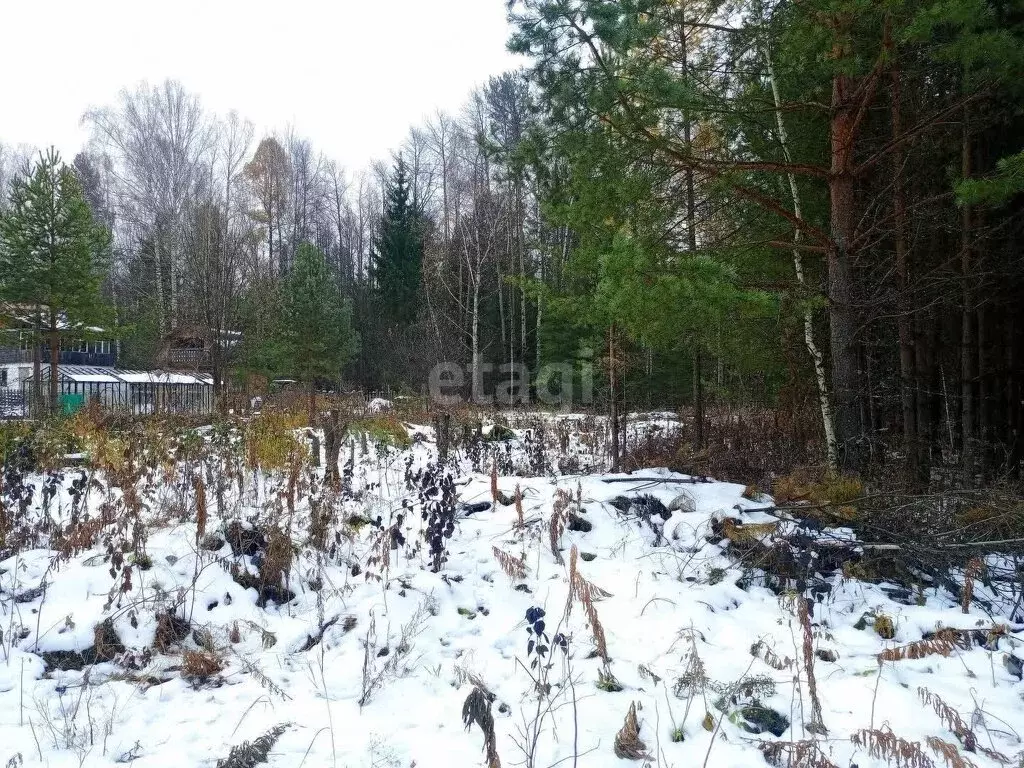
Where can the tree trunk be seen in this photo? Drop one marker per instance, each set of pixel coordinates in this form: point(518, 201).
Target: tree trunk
point(967, 332)
point(475, 343)
point(270, 240)
point(982, 456)
point(840, 278)
point(54, 360)
point(623, 416)
point(817, 359)
point(691, 237)
point(159, 280)
point(614, 399)
point(698, 401)
point(521, 215)
point(501, 315)
point(37, 363)
point(1014, 411)
point(218, 394)
point(172, 285)
point(905, 317)
point(925, 395)
point(874, 424)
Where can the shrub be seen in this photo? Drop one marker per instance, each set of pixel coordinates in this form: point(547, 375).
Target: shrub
point(829, 489)
point(270, 440)
point(200, 665)
point(884, 627)
point(385, 429)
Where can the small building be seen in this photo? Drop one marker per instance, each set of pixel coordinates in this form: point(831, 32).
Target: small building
point(191, 348)
point(125, 391)
point(17, 330)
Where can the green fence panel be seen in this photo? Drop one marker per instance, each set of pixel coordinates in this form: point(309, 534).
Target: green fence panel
point(71, 403)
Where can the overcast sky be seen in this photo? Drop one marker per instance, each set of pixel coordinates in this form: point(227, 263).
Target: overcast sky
point(352, 75)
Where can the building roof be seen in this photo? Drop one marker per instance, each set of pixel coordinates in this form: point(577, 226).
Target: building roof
point(14, 316)
point(87, 374)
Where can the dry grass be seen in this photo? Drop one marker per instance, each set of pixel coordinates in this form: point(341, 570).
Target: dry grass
point(940, 645)
point(200, 665)
point(248, 754)
point(106, 642)
point(628, 745)
point(375, 674)
point(883, 744)
point(277, 560)
point(477, 709)
point(513, 566)
point(795, 754)
point(949, 753)
point(78, 537)
point(952, 720)
point(170, 631)
point(974, 570)
point(751, 532)
point(817, 724)
point(201, 513)
point(761, 650)
point(557, 522)
point(586, 593)
point(746, 445)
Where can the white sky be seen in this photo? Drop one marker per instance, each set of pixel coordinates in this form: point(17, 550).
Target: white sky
point(351, 75)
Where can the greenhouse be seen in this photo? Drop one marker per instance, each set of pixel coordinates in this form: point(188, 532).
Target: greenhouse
point(125, 391)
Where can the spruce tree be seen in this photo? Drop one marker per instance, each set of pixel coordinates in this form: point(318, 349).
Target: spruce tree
point(397, 259)
point(53, 257)
point(316, 335)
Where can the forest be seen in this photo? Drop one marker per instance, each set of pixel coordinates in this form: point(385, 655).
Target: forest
point(681, 368)
point(814, 210)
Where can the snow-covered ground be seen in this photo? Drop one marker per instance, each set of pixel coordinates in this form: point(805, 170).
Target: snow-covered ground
point(706, 654)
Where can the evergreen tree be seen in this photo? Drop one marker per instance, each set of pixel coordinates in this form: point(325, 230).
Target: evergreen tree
point(999, 189)
point(53, 256)
point(315, 332)
point(262, 351)
point(397, 259)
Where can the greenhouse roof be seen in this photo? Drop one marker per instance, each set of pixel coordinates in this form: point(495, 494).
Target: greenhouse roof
point(86, 374)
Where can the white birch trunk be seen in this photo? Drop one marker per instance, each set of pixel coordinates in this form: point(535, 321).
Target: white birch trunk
point(475, 342)
point(824, 398)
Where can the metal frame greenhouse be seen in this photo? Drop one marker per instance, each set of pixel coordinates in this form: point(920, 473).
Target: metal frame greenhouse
point(124, 391)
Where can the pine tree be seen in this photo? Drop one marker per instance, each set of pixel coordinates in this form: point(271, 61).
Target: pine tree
point(53, 257)
point(260, 312)
point(397, 259)
point(316, 332)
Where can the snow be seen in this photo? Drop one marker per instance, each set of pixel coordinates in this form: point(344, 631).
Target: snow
point(667, 601)
point(100, 378)
point(379, 405)
point(162, 377)
point(96, 374)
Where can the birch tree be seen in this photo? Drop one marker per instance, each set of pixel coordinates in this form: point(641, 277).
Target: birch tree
point(158, 138)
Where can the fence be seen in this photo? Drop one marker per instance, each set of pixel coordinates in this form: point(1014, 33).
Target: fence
point(136, 398)
point(12, 403)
